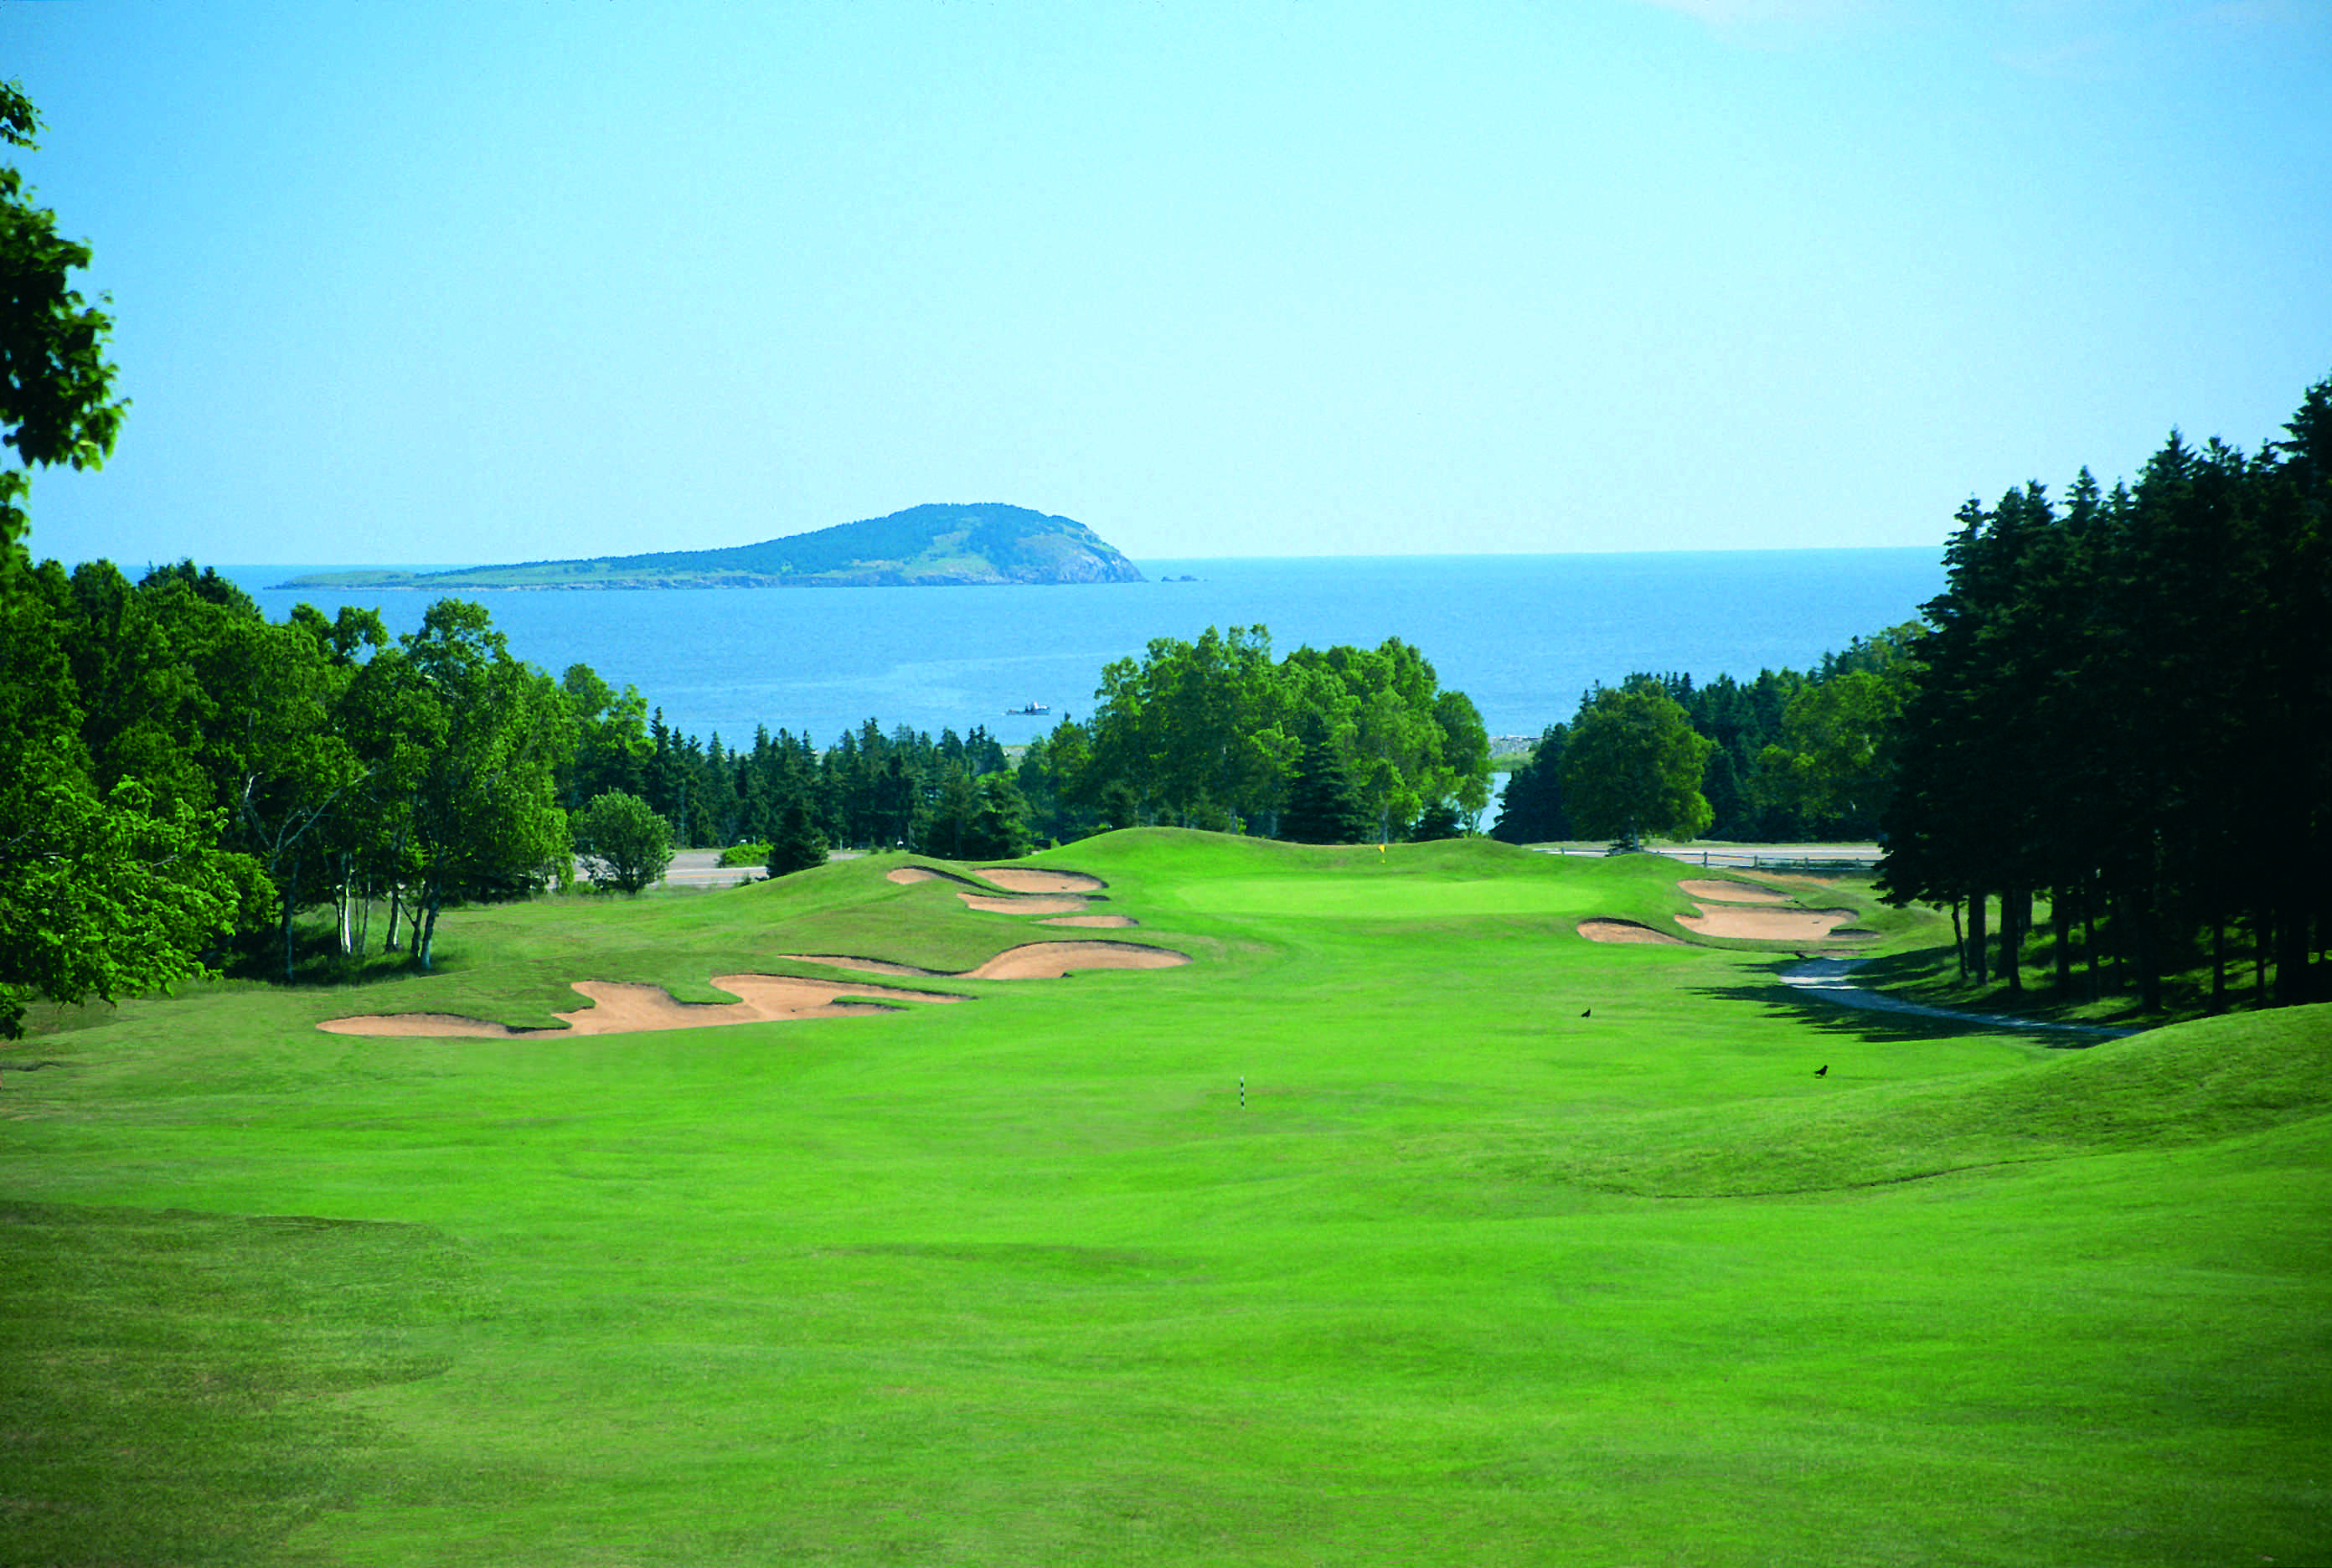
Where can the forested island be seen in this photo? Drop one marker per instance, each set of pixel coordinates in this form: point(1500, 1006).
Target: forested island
point(928, 546)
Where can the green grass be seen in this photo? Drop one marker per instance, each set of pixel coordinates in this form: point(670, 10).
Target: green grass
point(1470, 1277)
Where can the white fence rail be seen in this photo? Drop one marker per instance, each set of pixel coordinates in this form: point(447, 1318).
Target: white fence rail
point(1838, 858)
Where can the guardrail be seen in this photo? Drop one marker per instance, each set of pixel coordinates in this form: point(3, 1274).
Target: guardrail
point(1736, 859)
point(1774, 862)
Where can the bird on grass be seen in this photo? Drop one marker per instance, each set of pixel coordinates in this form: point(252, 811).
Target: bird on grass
point(1588, 1014)
point(1822, 1070)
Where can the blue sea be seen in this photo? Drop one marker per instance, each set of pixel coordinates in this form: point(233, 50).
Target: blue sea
point(1522, 636)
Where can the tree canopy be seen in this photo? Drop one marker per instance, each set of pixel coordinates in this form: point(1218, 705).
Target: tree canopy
point(2122, 701)
point(108, 883)
point(620, 843)
point(1209, 733)
point(1633, 769)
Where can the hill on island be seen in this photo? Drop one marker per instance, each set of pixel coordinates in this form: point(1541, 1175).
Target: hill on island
point(923, 546)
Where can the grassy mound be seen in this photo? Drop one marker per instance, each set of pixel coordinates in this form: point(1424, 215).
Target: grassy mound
point(2190, 1083)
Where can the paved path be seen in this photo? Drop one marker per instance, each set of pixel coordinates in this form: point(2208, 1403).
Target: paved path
point(702, 868)
point(1831, 978)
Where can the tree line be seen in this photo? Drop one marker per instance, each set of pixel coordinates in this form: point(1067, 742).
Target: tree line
point(1784, 757)
point(1333, 745)
point(319, 764)
point(2123, 704)
point(1212, 732)
point(2119, 711)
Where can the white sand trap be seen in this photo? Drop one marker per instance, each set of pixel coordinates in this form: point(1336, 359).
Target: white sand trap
point(863, 965)
point(1056, 959)
point(1626, 930)
point(1766, 924)
point(623, 1009)
point(1025, 879)
point(1022, 904)
point(1035, 961)
point(906, 875)
point(1112, 921)
point(1733, 891)
point(427, 1026)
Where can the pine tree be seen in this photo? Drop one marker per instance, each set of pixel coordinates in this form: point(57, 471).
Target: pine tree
point(1529, 809)
point(798, 844)
point(1323, 806)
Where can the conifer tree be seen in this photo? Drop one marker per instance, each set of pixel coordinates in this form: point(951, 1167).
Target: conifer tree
point(798, 845)
point(1323, 808)
point(1530, 809)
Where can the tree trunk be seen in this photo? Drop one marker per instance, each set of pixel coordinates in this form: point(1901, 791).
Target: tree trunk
point(2295, 982)
point(291, 887)
point(2063, 928)
point(2089, 939)
point(424, 936)
point(2219, 963)
point(2149, 965)
point(1978, 932)
point(2014, 915)
point(1959, 940)
point(2121, 925)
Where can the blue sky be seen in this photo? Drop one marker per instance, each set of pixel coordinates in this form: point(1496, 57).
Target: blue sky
point(479, 282)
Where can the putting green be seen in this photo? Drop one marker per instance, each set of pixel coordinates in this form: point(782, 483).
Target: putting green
point(1328, 895)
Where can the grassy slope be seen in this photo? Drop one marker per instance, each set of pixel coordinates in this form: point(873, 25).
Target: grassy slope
point(1470, 1277)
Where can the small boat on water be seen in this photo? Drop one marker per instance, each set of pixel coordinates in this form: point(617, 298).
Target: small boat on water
point(1033, 708)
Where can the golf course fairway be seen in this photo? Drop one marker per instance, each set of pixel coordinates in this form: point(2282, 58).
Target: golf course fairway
point(1399, 1224)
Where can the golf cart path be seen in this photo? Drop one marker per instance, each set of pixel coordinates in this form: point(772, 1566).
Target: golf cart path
point(1831, 978)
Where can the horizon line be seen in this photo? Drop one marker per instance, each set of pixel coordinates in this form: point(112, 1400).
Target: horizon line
point(1341, 555)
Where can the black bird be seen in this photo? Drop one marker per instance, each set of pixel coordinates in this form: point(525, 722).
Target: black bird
point(1821, 1070)
point(1588, 1013)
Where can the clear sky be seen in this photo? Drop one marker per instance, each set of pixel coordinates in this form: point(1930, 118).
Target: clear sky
point(479, 281)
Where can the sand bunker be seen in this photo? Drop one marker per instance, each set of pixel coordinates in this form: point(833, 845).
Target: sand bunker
point(1022, 904)
point(1034, 960)
point(1011, 878)
point(623, 1009)
point(1626, 930)
point(1056, 959)
point(427, 1026)
point(906, 875)
point(1768, 924)
point(863, 965)
point(1024, 879)
point(1733, 891)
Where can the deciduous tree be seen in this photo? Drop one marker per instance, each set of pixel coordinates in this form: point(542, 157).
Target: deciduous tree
point(485, 819)
point(103, 891)
point(621, 842)
point(1632, 767)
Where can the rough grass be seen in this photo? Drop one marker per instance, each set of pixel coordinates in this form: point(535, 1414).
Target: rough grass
point(1469, 1277)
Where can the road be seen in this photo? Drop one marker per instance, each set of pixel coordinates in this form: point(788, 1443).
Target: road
point(702, 868)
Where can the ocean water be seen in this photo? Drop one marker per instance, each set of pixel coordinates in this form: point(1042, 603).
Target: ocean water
point(1522, 636)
